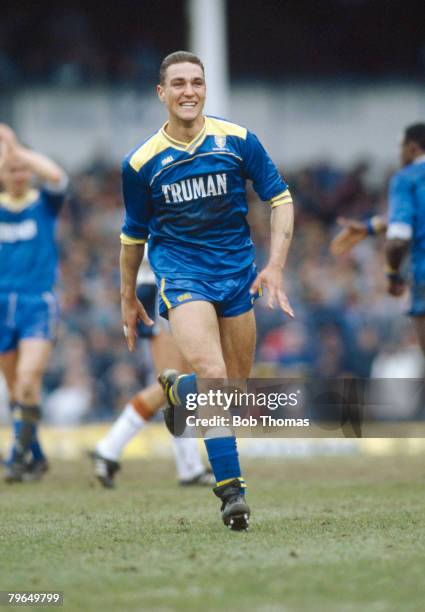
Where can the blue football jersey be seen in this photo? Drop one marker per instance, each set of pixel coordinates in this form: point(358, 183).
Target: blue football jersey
point(406, 217)
point(189, 199)
point(28, 253)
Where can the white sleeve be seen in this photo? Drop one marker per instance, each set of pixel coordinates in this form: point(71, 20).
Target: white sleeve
point(57, 188)
point(399, 230)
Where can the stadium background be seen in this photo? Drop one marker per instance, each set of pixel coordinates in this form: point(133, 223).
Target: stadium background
point(327, 96)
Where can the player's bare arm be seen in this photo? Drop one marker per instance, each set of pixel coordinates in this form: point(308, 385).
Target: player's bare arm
point(44, 168)
point(132, 310)
point(396, 250)
point(271, 277)
point(7, 136)
point(8, 144)
point(354, 231)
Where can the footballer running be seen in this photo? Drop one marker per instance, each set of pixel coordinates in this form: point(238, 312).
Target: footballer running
point(184, 193)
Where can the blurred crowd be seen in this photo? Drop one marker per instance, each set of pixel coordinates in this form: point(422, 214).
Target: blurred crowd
point(345, 324)
point(73, 46)
point(75, 43)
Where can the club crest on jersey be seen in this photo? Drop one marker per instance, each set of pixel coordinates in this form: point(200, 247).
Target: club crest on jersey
point(220, 141)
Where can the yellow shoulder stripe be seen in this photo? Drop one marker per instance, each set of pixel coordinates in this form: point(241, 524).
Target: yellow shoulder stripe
point(147, 151)
point(218, 127)
point(129, 241)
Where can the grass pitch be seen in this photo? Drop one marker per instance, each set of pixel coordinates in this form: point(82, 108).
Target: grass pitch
point(334, 534)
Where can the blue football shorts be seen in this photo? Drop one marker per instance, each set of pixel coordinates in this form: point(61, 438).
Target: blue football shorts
point(147, 293)
point(26, 315)
point(230, 296)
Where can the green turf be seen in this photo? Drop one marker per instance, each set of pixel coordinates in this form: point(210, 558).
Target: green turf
point(334, 534)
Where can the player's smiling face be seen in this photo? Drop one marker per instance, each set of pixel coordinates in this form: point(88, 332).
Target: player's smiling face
point(183, 92)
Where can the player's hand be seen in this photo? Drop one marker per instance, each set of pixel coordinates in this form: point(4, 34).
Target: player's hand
point(271, 278)
point(352, 233)
point(396, 286)
point(132, 312)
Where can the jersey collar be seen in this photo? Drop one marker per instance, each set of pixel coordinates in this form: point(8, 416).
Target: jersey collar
point(18, 204)
point(189, 147)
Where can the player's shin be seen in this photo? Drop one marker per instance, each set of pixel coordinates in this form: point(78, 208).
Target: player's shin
point(223, 455)
point(220, 443)
point(25, 421)
point(132, 419)
point(35, 448)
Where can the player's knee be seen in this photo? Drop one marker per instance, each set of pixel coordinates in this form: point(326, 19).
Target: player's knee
point(204, 369)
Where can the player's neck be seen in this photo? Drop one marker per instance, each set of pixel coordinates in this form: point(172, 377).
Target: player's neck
point(184, 131)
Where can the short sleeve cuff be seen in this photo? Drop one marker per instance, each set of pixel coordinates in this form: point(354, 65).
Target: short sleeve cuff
point(282, 198)
point(400, 231)
point(129, 241)
point(57, 188)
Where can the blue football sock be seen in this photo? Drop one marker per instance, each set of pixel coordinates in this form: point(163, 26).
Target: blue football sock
point(185, 384)
point(13, 454)
point(35, 447)
point(224, 459)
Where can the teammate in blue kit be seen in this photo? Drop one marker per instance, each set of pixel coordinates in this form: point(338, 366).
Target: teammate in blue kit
point(405, 227)
point(184, 192)
point(28, 307)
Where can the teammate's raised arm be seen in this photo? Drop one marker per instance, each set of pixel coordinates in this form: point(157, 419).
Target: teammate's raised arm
point(45, 169)
point(7, 138)
point(8, 144)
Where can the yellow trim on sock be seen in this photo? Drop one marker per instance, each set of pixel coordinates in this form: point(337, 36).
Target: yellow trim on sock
point(227, 480)
point(224, 482)
point(171, 396)
point(174, 394)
